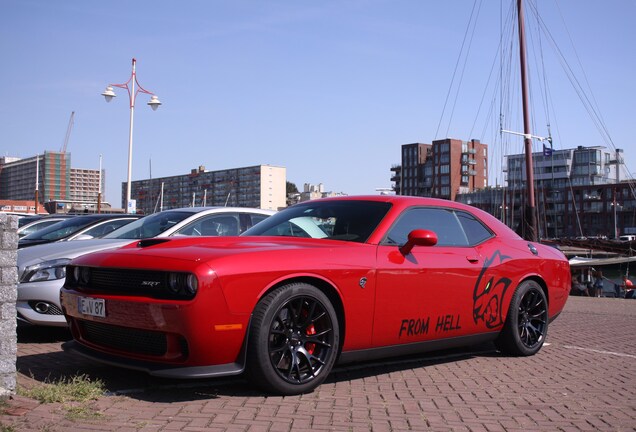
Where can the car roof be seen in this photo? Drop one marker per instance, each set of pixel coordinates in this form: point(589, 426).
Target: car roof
point(217, 209)
point(401, 202)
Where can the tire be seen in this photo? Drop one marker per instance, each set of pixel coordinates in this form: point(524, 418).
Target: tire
point(293, 340)
point(526, 325)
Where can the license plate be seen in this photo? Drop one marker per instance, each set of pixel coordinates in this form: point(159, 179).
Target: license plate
point(91, 306)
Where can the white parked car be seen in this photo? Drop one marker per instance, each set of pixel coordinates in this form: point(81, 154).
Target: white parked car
point(42, 268)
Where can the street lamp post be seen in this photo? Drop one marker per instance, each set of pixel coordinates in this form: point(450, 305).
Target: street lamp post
point(154, 103)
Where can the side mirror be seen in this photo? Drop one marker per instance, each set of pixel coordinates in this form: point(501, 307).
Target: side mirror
point(419, 237)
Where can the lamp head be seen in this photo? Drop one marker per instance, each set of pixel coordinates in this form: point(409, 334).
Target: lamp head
point(109, 94)
point(154, 102)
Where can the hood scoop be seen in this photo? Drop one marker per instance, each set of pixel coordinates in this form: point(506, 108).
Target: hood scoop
point(151, 242)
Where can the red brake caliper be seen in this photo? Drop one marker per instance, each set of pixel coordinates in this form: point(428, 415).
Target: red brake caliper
point(310, 347)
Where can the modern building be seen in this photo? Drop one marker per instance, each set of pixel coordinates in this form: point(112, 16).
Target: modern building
point(410, 172)
point(582, 191)
point(18, 177)
point(260, 186)
point(57, 181)
point(442, 169)
point(581, 166)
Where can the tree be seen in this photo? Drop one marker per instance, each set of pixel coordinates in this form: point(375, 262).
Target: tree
point(291, 188)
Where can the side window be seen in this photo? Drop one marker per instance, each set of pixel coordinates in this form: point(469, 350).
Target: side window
point(475, 231)
point(256, 218)
point(442, 222)
point(213, 225)
point(106, 227)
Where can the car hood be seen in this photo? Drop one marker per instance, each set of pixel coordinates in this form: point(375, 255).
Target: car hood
point(159, 252)
point(45, 252)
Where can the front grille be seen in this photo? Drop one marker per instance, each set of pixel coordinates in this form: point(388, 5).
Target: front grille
point(124, 339)
point(134, 282)
point(152, 283)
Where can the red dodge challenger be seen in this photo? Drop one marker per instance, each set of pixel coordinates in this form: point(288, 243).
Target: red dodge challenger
point(332, 280)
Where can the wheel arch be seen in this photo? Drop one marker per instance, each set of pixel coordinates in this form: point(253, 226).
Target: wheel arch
point(327, 288)
point(539, 280)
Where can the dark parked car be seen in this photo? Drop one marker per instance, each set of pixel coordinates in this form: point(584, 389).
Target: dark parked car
point(36, 223)
point(78, 228)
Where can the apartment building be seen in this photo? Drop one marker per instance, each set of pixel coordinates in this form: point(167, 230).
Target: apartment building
point(260, 186)
point(442, 169)
point(85, 184)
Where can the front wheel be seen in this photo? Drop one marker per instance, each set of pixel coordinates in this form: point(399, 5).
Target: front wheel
point(293, 340)
point(526, 325)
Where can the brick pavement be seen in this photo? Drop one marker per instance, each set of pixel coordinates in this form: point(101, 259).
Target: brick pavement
point(583, 380)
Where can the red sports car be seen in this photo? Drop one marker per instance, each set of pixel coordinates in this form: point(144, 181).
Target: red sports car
point(332, 280)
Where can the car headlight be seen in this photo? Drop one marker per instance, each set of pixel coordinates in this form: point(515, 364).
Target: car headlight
point(45, 271)
point(183, 283)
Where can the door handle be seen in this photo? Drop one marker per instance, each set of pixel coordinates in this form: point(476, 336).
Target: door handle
point(472, 259)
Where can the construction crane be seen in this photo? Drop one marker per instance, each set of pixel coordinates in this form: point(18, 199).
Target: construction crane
point(68, 132)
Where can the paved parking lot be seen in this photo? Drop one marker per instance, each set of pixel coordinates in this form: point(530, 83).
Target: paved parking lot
point(582, 380)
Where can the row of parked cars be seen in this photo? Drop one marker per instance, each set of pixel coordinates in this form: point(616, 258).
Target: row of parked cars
point(44, 254)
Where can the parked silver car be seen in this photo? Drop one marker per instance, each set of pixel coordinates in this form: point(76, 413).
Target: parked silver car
point(42, 268)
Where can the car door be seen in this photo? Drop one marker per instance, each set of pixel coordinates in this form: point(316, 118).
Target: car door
point(426, 294)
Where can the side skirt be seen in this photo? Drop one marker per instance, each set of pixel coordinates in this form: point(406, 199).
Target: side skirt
point(414, 348)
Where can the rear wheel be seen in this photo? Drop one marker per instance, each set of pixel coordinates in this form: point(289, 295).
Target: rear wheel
point(526, 325)
point(293, 340)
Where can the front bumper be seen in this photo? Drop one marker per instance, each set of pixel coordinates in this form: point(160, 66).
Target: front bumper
point(155, 369)
point(38, 303)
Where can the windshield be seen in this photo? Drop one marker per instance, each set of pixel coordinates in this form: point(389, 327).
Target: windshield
point(149, 226)
point(336, 220)
point(61, 229)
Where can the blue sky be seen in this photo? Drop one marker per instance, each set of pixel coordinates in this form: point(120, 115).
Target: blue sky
point(327, 89)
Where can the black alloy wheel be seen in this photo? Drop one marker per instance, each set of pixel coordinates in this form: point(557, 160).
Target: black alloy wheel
point(526, 325)
point(293, 339)
point(532, 318)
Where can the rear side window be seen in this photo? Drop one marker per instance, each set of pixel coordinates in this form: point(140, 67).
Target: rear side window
point(475, 231)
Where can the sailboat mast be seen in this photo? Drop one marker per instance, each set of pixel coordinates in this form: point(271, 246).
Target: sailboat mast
point(530, 219)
